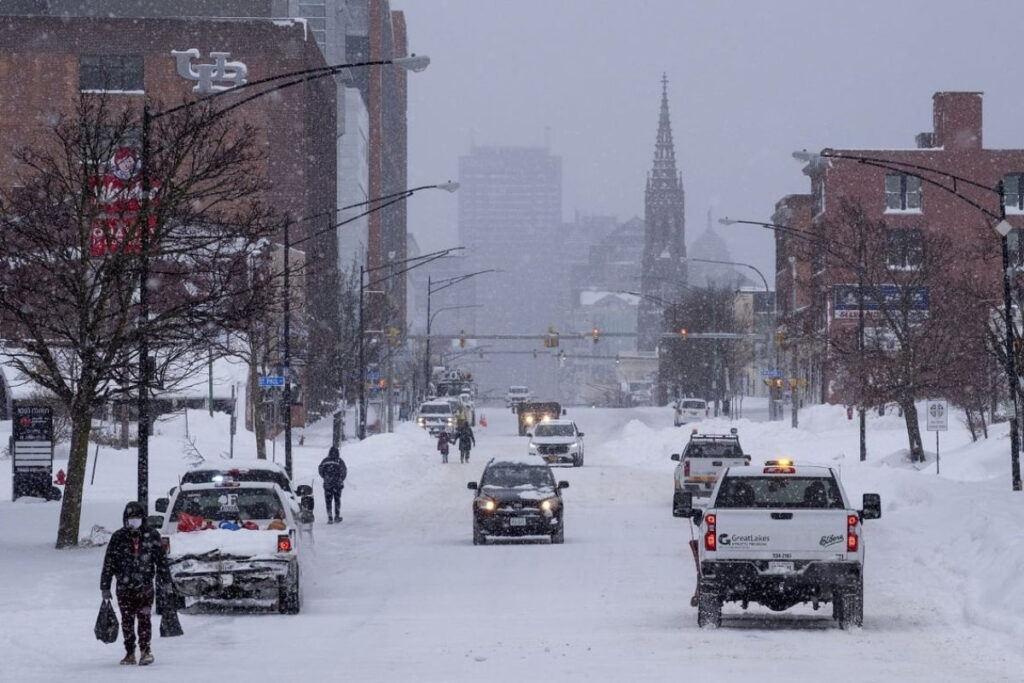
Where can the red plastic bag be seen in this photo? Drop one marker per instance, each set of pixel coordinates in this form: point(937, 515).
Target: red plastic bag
point(187, 522)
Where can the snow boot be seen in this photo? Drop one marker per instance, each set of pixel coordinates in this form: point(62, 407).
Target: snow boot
point(146, 658)
point(330, 519)
point(128, 658)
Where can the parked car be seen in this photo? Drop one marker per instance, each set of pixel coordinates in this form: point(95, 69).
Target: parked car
point(232, 542)
point(518, 497)
point(557, 441)
point(689, 410)
point(437, 416)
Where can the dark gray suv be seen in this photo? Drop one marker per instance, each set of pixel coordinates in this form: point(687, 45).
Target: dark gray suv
point(518, 497)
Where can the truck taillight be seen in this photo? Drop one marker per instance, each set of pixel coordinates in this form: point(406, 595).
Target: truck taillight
point(852, 542)
point(284, 543)
point(710, 537)
point(686, 468)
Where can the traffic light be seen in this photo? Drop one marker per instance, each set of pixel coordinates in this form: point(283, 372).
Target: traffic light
point(462, 339)
point(682, 333)
point(597, 334)
point(551, 341)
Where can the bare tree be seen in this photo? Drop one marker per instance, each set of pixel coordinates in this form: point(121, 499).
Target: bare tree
point(906, 286)
point(70, 244)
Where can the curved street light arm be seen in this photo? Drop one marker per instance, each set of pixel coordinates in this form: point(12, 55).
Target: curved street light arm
point(731, 263)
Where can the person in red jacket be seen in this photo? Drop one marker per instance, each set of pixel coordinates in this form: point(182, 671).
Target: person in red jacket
point(442, 445)
point(135, 556)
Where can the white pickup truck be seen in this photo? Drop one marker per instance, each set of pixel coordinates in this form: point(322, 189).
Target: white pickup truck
point(704, 458)
point(234, 542)
point(779, 536)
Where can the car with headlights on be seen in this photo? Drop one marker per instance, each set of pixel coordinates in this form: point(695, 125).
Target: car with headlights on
point(518, 497)
point(557, 442)
point(437, 416)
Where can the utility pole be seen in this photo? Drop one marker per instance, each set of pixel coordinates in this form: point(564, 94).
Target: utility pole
point(286, 369)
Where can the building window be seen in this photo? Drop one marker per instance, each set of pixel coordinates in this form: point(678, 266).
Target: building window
point(904, 249)
point(902, 192)
point(1013, 192)
point(110, 73)
point(818, 196)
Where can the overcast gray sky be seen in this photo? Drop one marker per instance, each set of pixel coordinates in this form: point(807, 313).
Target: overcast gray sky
point(749, 82)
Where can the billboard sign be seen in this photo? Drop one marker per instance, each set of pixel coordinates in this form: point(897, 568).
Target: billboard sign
point(846, 300)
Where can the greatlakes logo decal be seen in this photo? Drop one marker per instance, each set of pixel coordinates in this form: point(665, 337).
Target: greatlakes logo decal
point(743, 539)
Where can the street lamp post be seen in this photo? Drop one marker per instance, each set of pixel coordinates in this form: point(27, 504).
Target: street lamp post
point(276, 83)
point(432, 288)
point(416, 261)
point(430, 320)
point(1002, 227)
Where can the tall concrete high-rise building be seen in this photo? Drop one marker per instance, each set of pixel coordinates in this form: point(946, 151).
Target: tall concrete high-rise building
point(510, 217)
point(664, 268)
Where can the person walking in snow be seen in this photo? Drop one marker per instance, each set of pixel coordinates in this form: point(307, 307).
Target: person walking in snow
point(135, 556)
point(442, 445)
point(333, 472)
point(464, 435)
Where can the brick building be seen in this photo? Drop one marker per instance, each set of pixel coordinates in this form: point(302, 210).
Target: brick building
point(47, 62)
point(912, 206)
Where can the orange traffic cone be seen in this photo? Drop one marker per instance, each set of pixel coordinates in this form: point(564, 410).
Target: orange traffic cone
point(483, 420)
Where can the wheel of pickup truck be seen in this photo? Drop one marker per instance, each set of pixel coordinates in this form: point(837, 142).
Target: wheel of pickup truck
point(558, 536)
point(479, 538)
point(290, 595)
point(848, 609)
point(709, 607)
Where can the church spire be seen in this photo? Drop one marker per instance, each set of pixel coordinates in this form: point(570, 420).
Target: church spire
point(664, 173)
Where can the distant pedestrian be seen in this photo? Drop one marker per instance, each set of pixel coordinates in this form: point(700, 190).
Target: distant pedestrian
point(442, 445)
point(135, 556)
point(464, 435)
point(333, 472)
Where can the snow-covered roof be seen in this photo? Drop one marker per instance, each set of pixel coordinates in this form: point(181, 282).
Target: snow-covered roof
point(590, 297)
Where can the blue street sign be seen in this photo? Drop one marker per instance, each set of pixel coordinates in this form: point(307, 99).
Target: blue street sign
point(272, 381)
point(373, 375)
point(771, 373)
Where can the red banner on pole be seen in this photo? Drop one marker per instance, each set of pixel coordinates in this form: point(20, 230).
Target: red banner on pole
point(118, 194)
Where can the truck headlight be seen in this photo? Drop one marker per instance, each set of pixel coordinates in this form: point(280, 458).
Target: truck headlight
point(549, 505)
point(487, 504)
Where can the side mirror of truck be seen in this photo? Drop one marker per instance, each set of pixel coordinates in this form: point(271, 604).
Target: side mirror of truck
point(471, 486)
point(872, 506)
point(685, 506)
point(306, 502)
point(579, 434)
point(563, 484)
point(161, 504)
point(304, 490)
point(675, 457)
point(564, 411)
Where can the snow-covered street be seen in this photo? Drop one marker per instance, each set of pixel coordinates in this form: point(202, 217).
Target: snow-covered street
point(398, 592)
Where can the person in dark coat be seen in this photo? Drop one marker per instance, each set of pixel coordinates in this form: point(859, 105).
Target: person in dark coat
point(135, 556)
point(333, 472)
point(464, 435)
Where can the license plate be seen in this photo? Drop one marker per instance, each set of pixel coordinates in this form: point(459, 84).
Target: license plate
point(776, 567)
point(517, 521)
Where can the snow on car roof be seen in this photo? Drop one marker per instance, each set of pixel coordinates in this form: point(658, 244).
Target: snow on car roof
point(240, 464)
point(534, 460)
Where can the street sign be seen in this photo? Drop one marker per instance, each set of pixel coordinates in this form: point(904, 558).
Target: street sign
point(771, 373)
point(372, 375)
point(272, 381)
point(937, 415)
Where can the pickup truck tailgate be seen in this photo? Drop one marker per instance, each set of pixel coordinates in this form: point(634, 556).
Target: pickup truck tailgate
point(780, 534)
